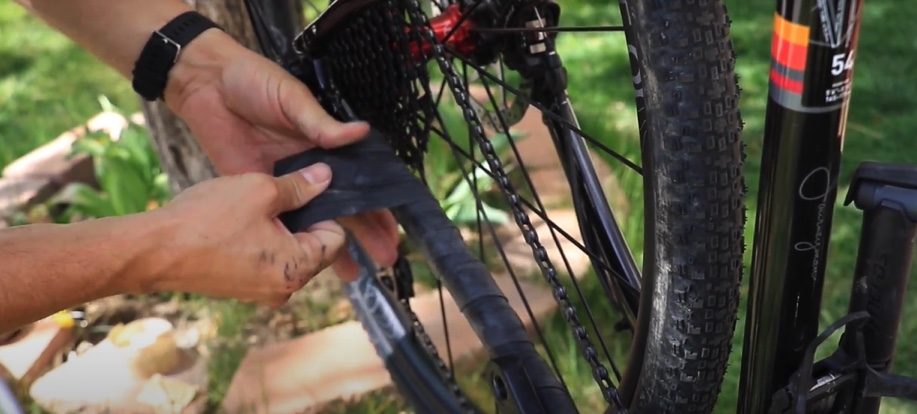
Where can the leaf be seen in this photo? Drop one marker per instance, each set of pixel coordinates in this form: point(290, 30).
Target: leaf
point(137, 150)
point(88, 145)
point(461, 192)
point(439, 160)
point(462, 214)
point(499, 142)
point(480, 178)
point(125, 186)
point(162, 190)
point(495, 215)
point(452, 212)
point(467, 213)
point(85, 200)
point(106, 104)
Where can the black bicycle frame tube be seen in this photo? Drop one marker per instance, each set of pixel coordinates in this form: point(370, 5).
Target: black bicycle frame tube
point(274, 28)
point(812, 56)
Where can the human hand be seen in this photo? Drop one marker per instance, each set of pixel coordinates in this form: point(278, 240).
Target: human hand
point(227, 241)
point(247, 113)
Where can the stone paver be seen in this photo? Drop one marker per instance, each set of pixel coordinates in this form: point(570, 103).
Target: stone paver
point(34, 350)
point(19, 193)
point(339, 362)
point(540, 158)
point(137, 369)
point(38, 175)
point(519, 253)
point(51, 160)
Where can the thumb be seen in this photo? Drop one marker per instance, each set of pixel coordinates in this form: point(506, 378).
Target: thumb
point(321, 128)
point(296, 189)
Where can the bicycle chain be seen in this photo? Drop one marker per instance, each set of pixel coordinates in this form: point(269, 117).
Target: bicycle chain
point(599, 371)
point(360, 86)
point(366, 77)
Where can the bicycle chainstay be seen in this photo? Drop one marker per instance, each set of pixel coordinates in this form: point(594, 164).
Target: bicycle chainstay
point(395, 111)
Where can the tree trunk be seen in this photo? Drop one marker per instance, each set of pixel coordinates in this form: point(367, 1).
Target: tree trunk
point(180, 156)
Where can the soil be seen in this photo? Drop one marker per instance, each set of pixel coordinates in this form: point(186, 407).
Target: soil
point(318, 305)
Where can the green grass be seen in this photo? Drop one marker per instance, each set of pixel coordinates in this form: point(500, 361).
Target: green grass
point(48, 85)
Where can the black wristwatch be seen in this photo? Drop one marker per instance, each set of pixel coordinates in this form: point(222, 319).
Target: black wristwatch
point(151, 71)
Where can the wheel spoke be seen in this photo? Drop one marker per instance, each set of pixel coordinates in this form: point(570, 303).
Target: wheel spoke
point(547, 112)
point(457, 152)
point(547, 29)
point(563, 255)
point(540, 214)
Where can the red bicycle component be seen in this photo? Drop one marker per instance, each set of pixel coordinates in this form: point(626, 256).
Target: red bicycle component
point(450, 29)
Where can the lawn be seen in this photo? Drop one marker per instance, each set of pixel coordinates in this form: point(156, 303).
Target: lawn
point(47, 85)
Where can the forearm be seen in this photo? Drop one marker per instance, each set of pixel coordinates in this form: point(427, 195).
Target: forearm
point(45, 268)
point(113, 30)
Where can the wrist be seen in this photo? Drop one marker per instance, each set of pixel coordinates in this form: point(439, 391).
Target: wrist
point(152, 256)
point(200, 64)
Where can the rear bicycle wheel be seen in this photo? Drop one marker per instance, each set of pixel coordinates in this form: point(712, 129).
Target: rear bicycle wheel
point(690, 156)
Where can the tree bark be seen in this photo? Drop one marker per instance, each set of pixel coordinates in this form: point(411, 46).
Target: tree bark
point(180, 156)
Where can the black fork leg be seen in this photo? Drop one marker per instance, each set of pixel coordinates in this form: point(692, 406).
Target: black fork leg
point(887, 194)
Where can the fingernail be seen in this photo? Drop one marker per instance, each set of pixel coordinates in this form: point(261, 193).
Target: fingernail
point(317, 173)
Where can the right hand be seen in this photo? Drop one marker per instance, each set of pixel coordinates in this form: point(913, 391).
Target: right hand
point(227, 241)
point(247, 112)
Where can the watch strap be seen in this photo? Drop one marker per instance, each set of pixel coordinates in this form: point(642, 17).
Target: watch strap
point(151, 70)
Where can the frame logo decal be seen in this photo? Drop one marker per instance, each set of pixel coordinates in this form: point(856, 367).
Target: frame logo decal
point(800, 52)
point(788, 56)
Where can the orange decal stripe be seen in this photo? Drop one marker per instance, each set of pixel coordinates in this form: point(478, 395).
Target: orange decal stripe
point(790, 32)
point(789, 45)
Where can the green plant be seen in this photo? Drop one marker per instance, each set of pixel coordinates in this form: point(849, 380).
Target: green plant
point(128, 173)
point(450, 176)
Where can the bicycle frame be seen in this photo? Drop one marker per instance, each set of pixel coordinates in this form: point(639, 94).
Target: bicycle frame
point(811, 74)
point(811, 77)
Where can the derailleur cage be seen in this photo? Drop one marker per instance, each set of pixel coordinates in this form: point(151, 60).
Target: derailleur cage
point(398, 279)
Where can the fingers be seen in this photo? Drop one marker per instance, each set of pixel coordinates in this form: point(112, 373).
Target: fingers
point(296, 189)
point(346, 269)
point(313, 251)
point(300, 106)
point(377, 231)
point(324, 240)
point(317, 248)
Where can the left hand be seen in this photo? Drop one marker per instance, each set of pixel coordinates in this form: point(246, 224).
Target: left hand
point(247, 112)
point(225, 240)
